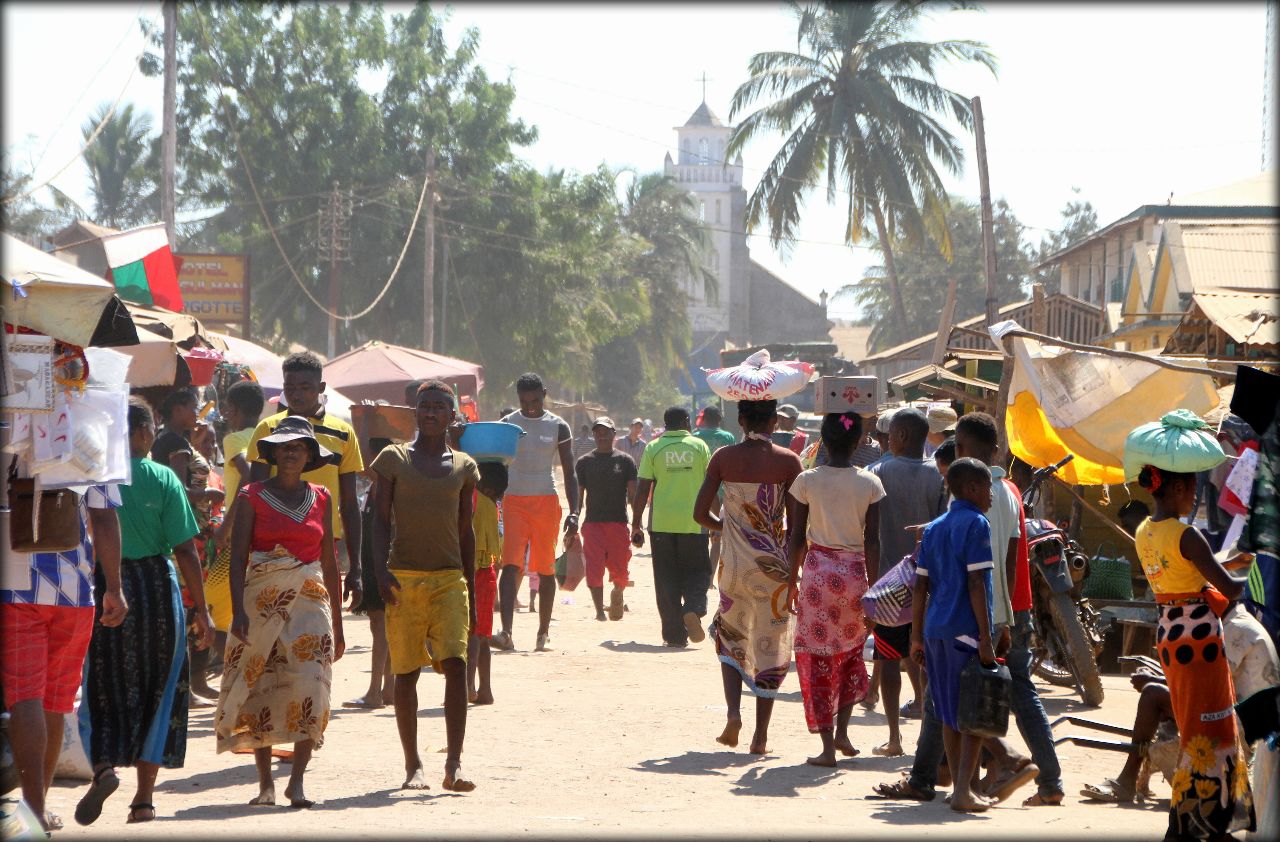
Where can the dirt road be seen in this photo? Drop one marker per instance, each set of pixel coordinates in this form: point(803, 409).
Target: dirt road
point(607, 734)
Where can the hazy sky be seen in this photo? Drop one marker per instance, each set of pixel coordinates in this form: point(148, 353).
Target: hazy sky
point(1128, 103)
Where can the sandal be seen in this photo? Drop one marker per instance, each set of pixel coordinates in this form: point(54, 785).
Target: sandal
point(1110, 791)
point(903, 790)
point(105, 782)
point(52, 821)
point(133, 813)
point(1040, 800)
point(1008, 782)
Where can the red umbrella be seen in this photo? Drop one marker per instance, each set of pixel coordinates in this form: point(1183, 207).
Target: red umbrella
point(378, 371)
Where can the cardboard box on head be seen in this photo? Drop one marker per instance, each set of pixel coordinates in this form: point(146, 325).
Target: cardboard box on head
point(847, 394)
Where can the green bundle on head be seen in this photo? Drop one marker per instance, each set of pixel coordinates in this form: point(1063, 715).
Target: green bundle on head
point(1180, 442)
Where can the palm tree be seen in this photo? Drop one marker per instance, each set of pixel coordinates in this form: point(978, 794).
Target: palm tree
point(859, 102)
point(665, 216)
point(121, 181)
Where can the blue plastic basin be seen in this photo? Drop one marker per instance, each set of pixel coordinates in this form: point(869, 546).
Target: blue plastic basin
point(491, 441)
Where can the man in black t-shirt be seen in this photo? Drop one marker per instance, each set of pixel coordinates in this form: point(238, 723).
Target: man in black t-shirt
point(607, 477)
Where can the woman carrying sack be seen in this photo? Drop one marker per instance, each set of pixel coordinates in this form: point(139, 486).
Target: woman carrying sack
point(286, 626)
point(1211, 795)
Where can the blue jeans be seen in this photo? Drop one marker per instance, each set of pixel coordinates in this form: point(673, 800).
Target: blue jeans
point(1033, 724)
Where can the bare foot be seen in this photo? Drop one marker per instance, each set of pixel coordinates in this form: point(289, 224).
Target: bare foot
point(845, 747)
point(759, 744)
point(827, 761)
point(454, 781)
point(297, 800)
point(266, 798)
point(415, 780)
point(888, 750)
point(972, 805)
point(729, 737)
point(472, 696)
point(483, 697)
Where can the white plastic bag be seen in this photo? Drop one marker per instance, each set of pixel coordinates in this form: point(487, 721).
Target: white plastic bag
point(758, 378)
point(100, 439)
point(73, 760)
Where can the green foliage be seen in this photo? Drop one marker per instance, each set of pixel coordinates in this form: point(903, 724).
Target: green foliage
point(1079, 220)
point(124, 167)
point(28, 217)
point(923, 275)
point(858, 104)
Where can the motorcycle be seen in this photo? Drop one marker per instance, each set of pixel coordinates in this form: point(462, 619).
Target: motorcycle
point(1068, 631)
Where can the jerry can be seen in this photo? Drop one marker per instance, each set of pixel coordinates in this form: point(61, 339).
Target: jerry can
point(984, 699)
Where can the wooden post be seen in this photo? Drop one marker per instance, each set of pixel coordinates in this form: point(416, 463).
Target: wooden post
point(944, 324)
point(429, 257)
point(334, 199)
point(988, 235)
point(444, 295)
point(168, 129)
point(1038, 314)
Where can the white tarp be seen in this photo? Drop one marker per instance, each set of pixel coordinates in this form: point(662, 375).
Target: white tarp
point(50, 295)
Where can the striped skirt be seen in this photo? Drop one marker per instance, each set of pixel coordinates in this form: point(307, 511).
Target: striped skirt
point(136, 687)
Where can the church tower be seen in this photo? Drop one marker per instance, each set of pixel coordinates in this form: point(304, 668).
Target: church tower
point(716, 184)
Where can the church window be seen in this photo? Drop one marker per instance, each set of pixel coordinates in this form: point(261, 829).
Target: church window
point(704, 156)
point(715, 263)
point(686, 151)
point(704, 211)
point(717, 210)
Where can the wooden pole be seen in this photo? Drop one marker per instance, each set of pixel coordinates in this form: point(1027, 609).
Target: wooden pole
point(429, 256)
point(334, 199)
point(1102, 515)
point(444, 295)
point(944, 324)
point(988, 224)
point(1111, 352)
point(1038, 314)
point(168, 129)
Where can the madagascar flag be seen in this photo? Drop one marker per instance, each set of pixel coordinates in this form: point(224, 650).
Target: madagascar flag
point(142, 267)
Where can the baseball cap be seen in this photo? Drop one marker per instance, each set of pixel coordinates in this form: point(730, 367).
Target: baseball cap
point(883, 420)
point(604, 421)
point(635, 421)
point(789, 410)
point(942, 419)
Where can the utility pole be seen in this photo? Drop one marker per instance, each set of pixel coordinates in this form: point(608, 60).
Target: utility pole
point(168, 131)
point(335, 246)
point(988, 235)
point(444, 294)
point(429, 256)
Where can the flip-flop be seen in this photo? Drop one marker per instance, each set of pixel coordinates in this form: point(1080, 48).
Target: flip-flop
point(105, 782)
point(363, 704)
point(902, 790)
point(882, 751)
point(1008, 784)
point(1110, 791)
point(1039, 800)
point(134, 808)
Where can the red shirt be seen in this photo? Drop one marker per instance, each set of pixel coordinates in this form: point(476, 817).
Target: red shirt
point(300, 531)
point(1020, 599)
point(798, 441)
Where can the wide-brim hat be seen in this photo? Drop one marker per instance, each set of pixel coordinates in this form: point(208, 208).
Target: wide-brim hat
point(942, 419)
point(294, 428)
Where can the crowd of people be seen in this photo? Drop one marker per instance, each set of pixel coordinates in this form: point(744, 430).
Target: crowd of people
point(186, 570)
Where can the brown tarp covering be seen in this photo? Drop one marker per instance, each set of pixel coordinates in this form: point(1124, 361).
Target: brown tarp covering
point(378, 371)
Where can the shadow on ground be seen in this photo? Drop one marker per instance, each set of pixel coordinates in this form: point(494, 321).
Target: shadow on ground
point(698, 763)
point(783, 781)
point(378, 798)
point(634, 646)
point(916, 813)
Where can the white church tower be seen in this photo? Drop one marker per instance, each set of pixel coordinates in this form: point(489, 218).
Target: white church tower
point(717, 185)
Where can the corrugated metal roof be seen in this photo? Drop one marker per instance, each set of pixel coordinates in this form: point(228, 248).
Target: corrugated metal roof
point(1239, 256)
point(1248, 318)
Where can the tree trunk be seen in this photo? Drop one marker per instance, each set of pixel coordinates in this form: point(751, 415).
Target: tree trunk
point(891, 275)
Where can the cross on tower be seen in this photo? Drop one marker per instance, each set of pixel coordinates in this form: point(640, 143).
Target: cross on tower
point(703, 80)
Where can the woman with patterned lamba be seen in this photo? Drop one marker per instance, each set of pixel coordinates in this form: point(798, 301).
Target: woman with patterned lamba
point(286, 627)
point(1211, 795)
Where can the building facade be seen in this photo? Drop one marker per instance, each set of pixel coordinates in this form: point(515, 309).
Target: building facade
point(753, 306)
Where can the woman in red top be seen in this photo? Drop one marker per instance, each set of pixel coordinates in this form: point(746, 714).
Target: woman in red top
point(286, 626)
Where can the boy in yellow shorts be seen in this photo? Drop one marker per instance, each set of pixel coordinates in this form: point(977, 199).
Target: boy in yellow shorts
point(426, 575)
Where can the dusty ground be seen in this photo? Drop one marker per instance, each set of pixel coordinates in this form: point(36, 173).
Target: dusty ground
point(609, 734)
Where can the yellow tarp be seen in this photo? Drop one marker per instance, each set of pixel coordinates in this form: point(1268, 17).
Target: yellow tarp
point(1085, 404)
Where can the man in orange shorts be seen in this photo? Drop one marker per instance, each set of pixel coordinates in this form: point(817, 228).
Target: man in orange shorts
point(531, 510)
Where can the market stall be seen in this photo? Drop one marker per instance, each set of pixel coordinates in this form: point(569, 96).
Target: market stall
point(378, 371)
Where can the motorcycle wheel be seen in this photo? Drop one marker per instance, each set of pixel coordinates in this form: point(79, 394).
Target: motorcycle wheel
point(1079, 656)
point(1051, 662)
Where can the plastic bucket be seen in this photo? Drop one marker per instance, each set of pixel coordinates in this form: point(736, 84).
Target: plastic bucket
point(490, 441)
point(202, 363)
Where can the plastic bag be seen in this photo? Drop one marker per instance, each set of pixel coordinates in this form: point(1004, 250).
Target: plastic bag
point(73, 760)
point(100, 439)
point(1179, 442)
point(572, 564)
point(888, 601)
point(758, 378)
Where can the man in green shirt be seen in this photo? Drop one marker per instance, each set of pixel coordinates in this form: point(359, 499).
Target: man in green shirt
point(710, 431)
point(673, 466)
